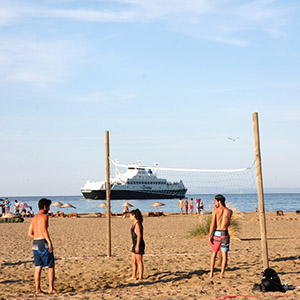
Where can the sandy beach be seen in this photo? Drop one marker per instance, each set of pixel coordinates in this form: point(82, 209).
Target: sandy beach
point(176, 266)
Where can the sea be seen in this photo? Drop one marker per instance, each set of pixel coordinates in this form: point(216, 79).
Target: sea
point(288, 202)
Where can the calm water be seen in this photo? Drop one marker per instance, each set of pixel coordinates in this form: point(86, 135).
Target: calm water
point(242, 202)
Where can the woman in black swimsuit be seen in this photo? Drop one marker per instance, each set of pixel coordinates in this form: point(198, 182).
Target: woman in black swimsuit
point(138, 244)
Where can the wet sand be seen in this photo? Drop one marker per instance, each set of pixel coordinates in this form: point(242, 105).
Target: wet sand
point(176, 266)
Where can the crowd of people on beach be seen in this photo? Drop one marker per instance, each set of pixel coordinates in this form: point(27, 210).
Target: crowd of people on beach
point(43, 252)
point(19, 208)
point(190, 204)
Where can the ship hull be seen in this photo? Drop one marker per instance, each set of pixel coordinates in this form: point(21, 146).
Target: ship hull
point(115, 195)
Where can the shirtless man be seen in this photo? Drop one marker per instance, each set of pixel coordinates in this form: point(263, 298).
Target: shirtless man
point(42, 247)
point(218, 233)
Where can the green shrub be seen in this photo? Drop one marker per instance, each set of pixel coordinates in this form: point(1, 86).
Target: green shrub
point(203, 227)
point(12, 220)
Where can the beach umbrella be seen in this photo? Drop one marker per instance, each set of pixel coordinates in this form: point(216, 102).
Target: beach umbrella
point(57, 204)
point(102, 205)
point(67, 205)
point(127, 204)
point(156, 204)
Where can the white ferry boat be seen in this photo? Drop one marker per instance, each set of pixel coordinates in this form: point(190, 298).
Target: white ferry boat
point(138, 182)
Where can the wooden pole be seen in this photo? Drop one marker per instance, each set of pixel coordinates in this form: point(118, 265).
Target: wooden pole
point(262, 217)
point(108, 195)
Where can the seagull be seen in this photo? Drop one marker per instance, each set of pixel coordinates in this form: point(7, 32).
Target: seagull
point(233, 139)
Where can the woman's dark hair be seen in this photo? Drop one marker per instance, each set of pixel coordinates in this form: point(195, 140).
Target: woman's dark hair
point(138, 215)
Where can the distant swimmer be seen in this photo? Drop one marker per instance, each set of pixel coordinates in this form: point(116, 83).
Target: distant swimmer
point(233, 139)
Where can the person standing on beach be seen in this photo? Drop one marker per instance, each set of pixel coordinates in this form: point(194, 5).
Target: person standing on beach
point(198, 206)
point(186, 204)
point(191, 206)
point(181, 205)
point(138, 244)
point(42, 247)
point(218, 233)
point(201, 205)
point(2, 206)
point(7, 205)
point(16, 207)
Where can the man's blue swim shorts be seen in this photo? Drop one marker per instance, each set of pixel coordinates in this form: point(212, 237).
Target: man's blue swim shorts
point(41, 254)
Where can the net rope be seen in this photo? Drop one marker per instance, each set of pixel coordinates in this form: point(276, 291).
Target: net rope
point(204, 181)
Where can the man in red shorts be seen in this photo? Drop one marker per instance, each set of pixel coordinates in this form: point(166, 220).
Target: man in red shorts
point(218, 234)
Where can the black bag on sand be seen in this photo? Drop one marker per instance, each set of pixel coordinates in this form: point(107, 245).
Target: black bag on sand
point(270, 282)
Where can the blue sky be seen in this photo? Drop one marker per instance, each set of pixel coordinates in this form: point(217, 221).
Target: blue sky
point(170, 80)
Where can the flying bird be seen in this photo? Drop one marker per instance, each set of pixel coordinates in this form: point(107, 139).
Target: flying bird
point(233, 139)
